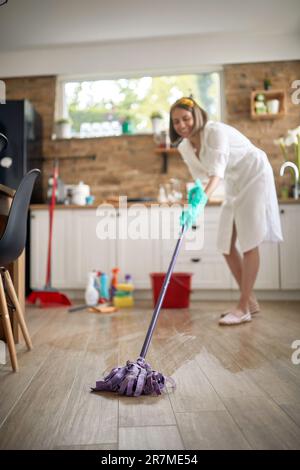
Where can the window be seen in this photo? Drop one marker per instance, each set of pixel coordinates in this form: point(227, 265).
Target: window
point(99, 108)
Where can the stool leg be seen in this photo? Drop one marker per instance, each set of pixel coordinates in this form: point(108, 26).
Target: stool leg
point(12, 293)
point(7, 328)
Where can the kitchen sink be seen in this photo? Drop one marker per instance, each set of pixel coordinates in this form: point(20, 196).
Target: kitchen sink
point(141, 199)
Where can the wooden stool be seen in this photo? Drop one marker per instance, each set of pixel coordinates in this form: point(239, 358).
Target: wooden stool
point(7, 292)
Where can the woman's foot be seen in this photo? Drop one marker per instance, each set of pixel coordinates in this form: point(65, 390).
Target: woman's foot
point(253, 307)
point(235, 317)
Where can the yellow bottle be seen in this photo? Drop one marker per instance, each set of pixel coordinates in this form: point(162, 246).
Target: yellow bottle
point(122, 302)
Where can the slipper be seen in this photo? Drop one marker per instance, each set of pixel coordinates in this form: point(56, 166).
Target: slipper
point(253, 311)
point(232, 319)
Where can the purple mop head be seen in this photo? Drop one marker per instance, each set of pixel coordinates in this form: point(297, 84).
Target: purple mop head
point(135, 379)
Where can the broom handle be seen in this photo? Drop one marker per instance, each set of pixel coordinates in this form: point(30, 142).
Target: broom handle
point(162, 295)
point(51, 210)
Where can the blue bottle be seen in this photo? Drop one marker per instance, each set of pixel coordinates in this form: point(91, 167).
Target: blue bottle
point(104, 286)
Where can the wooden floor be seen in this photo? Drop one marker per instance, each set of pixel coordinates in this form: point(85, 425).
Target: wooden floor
point(237, 387)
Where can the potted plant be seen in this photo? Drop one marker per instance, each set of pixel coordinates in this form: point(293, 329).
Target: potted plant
point(260, 104)
point(127, 125)
point(267, 84)
point(63, 128)
point(156, 119)
point(284, 191)
point(292, 139)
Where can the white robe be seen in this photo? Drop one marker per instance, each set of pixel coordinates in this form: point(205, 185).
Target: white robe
point(250, 193)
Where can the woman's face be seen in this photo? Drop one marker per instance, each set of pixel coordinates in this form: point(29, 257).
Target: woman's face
point(183, 122)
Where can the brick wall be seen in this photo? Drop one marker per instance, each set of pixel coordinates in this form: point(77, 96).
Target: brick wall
point(239, 81)
point(128, 164)
point(123, 165)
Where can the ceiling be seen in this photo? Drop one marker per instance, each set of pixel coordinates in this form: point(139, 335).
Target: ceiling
point(30, 24)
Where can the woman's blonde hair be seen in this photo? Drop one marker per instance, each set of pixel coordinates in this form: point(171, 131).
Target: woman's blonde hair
point(200, 117)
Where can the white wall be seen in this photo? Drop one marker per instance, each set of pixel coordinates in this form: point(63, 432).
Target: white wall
point(188, 53)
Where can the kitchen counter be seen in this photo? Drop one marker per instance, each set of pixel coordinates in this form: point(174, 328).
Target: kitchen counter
point(288, 201)
point(115, 203)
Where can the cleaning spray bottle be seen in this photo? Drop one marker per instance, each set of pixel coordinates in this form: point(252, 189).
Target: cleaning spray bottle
point(98, 282)
point(91, 294)
point(104, 286)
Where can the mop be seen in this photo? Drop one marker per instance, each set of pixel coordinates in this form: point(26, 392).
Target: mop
point(49, 296)
point(138, 378)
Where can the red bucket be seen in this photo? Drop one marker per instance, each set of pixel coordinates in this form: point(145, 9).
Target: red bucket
point(178, 291)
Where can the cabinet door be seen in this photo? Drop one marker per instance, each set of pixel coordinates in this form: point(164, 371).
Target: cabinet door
point(268, 274)
point(92, 242)
point(138, 245)
point(38, 248)
point(60, 266)
point(289, 249)
point(198, 254)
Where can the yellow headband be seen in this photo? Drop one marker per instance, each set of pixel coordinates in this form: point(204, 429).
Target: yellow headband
point(186, 102)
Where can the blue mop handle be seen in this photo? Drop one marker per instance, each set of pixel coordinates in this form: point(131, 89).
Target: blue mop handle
point(162, 294)
point(197, 199)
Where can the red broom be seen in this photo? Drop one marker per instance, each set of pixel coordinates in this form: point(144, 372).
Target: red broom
point(50, 297)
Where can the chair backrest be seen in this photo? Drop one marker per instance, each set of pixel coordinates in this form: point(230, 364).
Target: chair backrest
point(13, 240)
point(3, 141)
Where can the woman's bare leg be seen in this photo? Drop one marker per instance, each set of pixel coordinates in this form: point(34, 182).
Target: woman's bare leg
point(235, 263)
point(250, 267)
point(234, 259)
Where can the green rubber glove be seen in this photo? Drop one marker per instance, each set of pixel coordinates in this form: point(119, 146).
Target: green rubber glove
point(197, 199)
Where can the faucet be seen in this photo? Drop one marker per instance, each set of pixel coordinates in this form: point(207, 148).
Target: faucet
point(295, 168)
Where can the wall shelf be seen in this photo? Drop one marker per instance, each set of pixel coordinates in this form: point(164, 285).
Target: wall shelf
point(165, 152)
point(269, 95)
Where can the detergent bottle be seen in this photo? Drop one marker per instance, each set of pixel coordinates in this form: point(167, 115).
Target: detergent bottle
point(114, 282)
point(91, 294)
point(123, 296)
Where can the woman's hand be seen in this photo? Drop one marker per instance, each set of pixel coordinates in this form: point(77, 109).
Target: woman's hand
point(211, 185)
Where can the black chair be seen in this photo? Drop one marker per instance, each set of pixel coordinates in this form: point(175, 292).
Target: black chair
point(12, 244)
point(3, 141)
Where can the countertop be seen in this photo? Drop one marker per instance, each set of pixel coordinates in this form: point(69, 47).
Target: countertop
point(115, 203)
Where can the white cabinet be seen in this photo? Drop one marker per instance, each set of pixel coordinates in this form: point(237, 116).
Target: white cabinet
point(76, 247)
point(38, 248)
point(268, 274)
point(142, 241)
point(137, 249)
point(86, 240)
point(289, 249)
point(198, 254)
point(92, 245)
point(61, 269)
point(280, 262)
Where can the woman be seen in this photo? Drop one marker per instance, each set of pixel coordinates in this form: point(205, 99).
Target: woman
point(250, 209)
